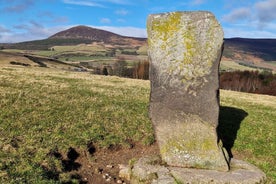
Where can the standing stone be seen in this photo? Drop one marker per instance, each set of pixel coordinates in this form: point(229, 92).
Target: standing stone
point(185, 50)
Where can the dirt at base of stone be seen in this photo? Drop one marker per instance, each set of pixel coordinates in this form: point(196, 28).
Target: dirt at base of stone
point(103, 165)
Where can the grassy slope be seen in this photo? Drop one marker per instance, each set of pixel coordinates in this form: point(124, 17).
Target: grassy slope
point(256, 138)
point(234, 66)
point(44, 109)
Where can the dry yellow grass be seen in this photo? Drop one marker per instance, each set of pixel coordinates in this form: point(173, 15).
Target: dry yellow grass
point(231, 65)
point(6, 58)
point(256, 99)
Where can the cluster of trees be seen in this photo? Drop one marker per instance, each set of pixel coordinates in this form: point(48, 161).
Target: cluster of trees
point(120, 68)
point(249, 81)
point(245, 81)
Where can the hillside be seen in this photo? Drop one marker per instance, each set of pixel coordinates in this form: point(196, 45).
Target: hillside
point(77, 35)
point(58, 126)
point(19, 59)
point(264, 49)
point(239, 53)
point(85, 32)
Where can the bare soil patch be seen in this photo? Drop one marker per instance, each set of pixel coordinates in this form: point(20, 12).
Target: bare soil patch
point(100, 166)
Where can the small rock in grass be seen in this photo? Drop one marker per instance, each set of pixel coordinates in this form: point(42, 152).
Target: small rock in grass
point(119, 181)
point(125, 172)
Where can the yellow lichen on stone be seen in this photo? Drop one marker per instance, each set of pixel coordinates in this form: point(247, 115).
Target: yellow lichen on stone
point(165, 29)
point(183, 48)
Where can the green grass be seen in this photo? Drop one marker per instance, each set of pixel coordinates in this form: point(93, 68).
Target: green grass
point(273, 62)
point(256, 137)
point(44, 110)
point(234, 66)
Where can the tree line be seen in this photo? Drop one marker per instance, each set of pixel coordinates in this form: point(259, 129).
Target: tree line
point(263, 82)
point(260, 82)
point(120, 68)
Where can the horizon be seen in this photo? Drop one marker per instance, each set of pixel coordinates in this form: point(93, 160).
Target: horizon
point(128, 36)
point(29, 20)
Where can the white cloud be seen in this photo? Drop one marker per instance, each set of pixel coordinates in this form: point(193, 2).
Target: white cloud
point(266, 10)
point(29, 32)
point(245, 33)
point(125, 31)
point(96, 3)
point(237, 15)
point(122, 2)
point(197, 2)
point(121, 20)
point(121, 12)
point(157, 9)
point(17, 6)
point(105, 20)
point(3, 29)
point(83, 3)
point(257, 20)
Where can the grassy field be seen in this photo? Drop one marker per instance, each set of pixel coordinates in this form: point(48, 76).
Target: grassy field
point(87, 52)
point(234, 66)
point(43, 110)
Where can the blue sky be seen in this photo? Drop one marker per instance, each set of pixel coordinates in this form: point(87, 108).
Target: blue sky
point(22, 20)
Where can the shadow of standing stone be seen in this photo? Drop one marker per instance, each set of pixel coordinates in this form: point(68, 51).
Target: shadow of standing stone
point(184, 51)
point(229, 123)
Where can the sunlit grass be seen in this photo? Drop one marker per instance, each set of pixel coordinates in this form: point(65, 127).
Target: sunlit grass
point(256, 138)
point(44, 110)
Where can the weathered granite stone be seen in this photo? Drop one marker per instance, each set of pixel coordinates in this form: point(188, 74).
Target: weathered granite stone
point(148, 170)
point(241, 173)
point(184, 51)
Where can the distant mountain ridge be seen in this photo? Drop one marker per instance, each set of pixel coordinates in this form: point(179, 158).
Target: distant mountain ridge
point(264, 49)
point(76, 35)
point(85, 32)
point(93, 34)
point(236, 49)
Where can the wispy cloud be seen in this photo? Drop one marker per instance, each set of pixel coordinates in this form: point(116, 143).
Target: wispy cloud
point(60, 19)
point(121, 12)
point(29, 31)
point(105, 20)
point(17, 6)
point(266, 10)
point(125, 31)
point(51, 17)
point(244, 33)
point(157, 9)
point(121, 20)
point(237, 15)
point(96, 3)
point(83, 3)
point(197, 2)
point(259, 15)
point(4, 30)
point(122, 2)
